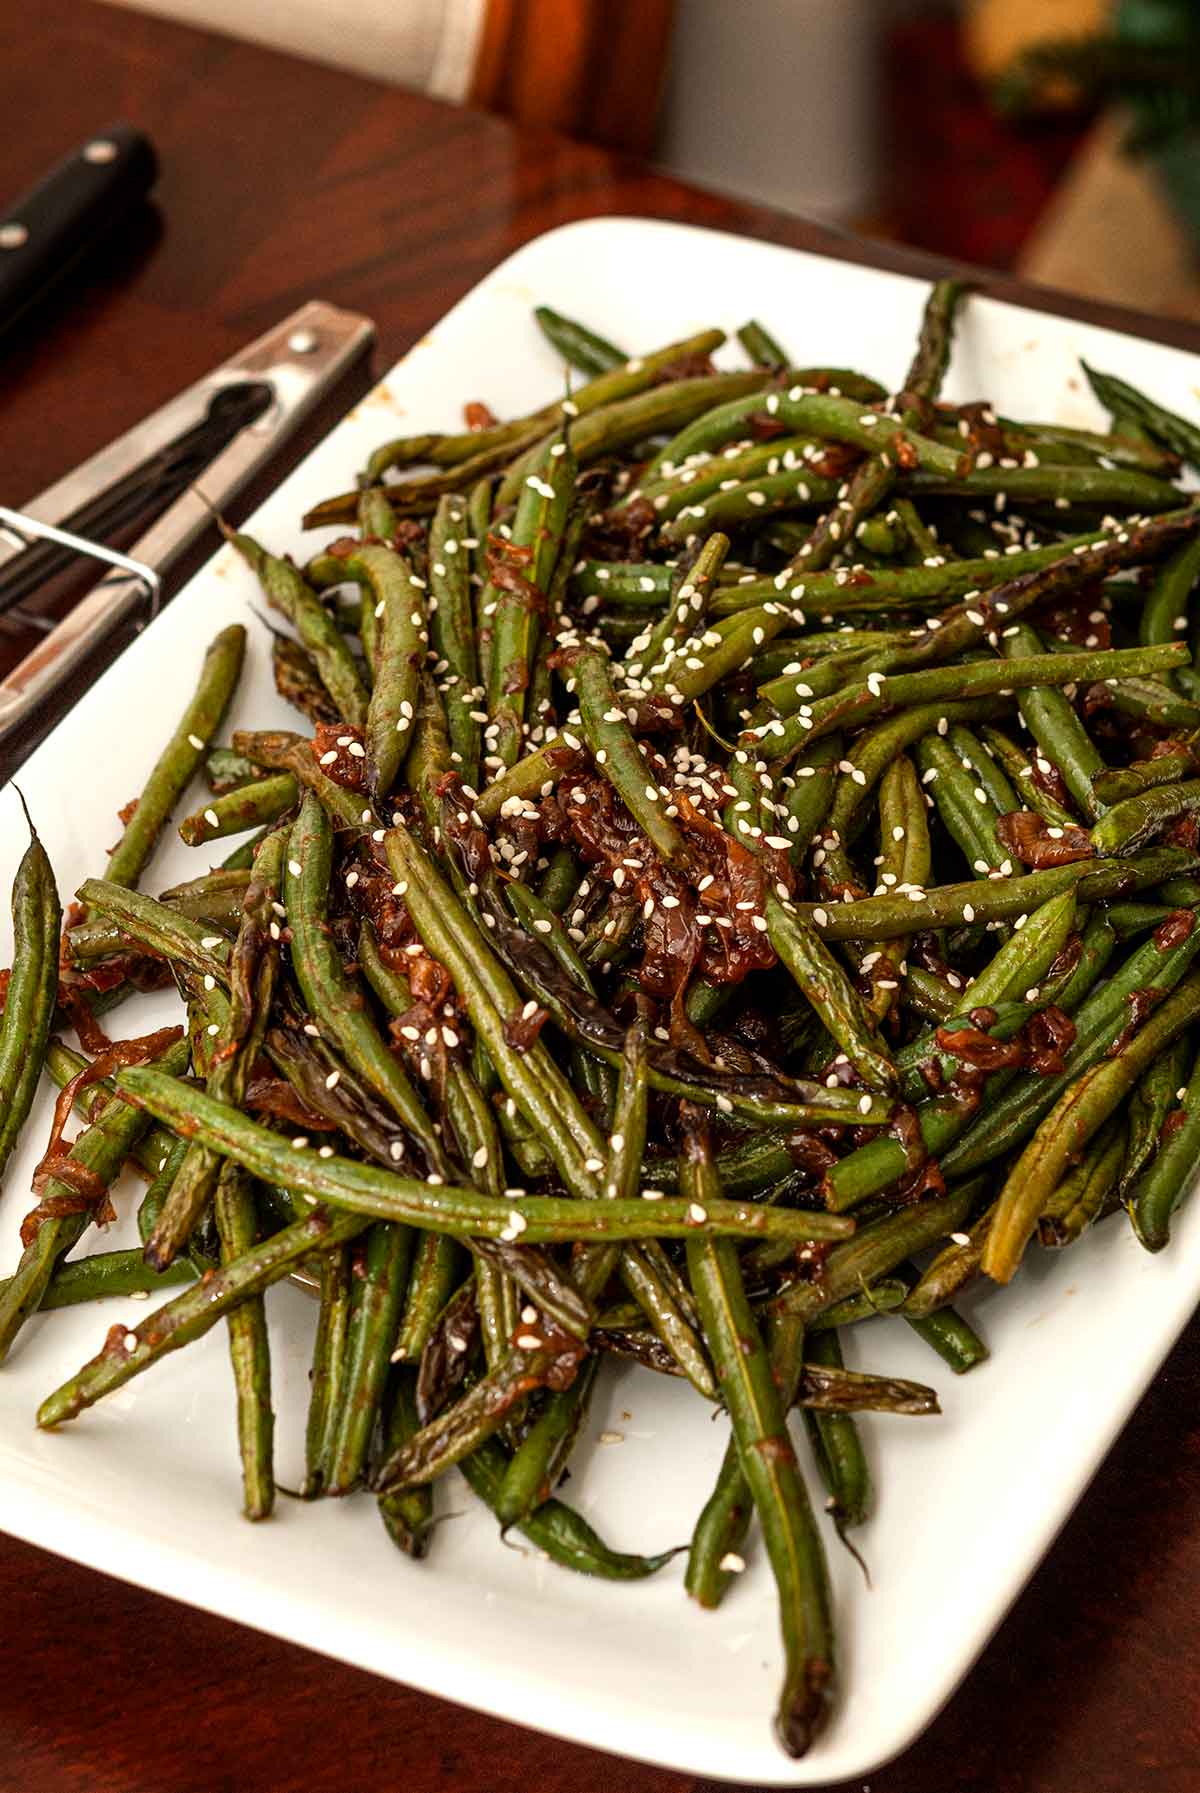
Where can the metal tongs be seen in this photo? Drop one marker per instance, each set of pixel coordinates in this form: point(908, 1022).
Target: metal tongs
point(224, 428)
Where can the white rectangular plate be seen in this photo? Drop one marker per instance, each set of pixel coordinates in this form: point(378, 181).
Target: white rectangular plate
point(147, 1487)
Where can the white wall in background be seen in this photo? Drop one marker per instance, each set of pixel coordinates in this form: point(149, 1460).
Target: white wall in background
point(426, 44)
point(774, 100)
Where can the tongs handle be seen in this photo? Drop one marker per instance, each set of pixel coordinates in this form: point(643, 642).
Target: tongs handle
point(301, 359)
point(70, 212)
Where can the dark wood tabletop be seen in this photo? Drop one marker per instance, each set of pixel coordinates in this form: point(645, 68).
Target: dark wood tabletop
point(282, 181)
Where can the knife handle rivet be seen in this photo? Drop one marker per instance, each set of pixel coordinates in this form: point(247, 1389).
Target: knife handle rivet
point(12, 236)
point(303, 342)
point(99, 151)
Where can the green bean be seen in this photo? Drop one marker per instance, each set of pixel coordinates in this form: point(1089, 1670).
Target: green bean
point(1150, 701)
point(556, 1529)
point(838, 1449)
point(249, 1347)
point(760, 345)
point(821, 979)
point(286, 590)
point(32, 990)
point(1129, 824)
point(578, 346)
point(375, 1306)
point(107, 1274)
point(162, 930)
point(830, 417)
point(1114, 784)
point(328, 1371)
point(1128, 405)
point(292, 753)
point(996, 899)
point(249, 806)
point(515, 593)
point(956, 1342)
point(193, 1313)
point(653, 651)
point(240, 1033)
point(879, 694)
point(1165, 613)
point(630, 420)
point(1164, 1182)
point(1148, 1109)
point(182, 756)
point(875, 1251)
point(614, 746)
point(452, 629)
point(538, 1463)
point(874, 478)
point(328, 991)
point(1118, 488)
point(407, 1516)
point(436, 1273)
point(1100, 1024)
point(714, 1558)
point(905, 860)
point(101, 1150)
point(1060, 736)
point(768, 1462)
point(963, 805)
point(298, 682)
point(1017, 763)
point(1081, 1110)
point(367, 1191)
point(807, 802)
point(1085, 1191)
point(767, 495)
point(395, 595)
point(885, 1294)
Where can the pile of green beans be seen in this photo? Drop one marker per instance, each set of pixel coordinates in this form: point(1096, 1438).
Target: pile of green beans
point(740, 886)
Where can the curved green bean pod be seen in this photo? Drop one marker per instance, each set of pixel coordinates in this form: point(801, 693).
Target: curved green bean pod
point(714, 1557)
point(556, 1529)
point(287, 591)
point(1076, 1117)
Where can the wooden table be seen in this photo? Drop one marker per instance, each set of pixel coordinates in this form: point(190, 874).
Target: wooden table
point(284, 181)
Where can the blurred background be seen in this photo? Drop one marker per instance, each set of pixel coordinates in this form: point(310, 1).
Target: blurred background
point(1056, 138)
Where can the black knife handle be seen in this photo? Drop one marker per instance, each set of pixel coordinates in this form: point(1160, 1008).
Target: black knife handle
point(47, 231)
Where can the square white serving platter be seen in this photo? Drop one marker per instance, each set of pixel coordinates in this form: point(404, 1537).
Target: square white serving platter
point(146, 1486)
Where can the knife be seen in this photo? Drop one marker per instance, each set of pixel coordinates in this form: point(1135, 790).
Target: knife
point(69, 214)
point(273, 383)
